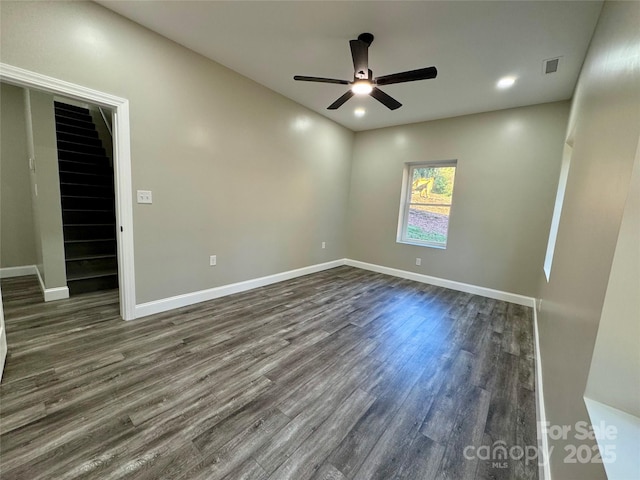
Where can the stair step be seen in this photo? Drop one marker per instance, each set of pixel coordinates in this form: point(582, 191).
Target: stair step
point(92, 284)
point(85, 178)
point(64, 113)
point(82, 190)
point(86, 276)
point(100, 166)
point(79, 249)
point(77, 269)
point(89, 257)
point(87, 132)
point(88, 233)
point(80, 148)
point(88, 224)
point(80, 217)
point(90, 240)
point(70, 107)
point(80, 139)
point(74, 202)
point(88, 124)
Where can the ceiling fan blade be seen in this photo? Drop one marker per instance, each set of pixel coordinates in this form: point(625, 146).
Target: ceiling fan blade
point(302, 78)
point(360, 55)
point(388, 101)
point(410, 76)
point(339, 102)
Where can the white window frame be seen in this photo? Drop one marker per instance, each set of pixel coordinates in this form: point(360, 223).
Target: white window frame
point(557, 210)
point(405, 202)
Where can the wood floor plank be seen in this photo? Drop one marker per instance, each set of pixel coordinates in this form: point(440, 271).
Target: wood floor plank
point(249, 470)
point(469, 427)
point(304, 462)
point(390, 392)
point(450, 399)
point(308, 418)
point(328, 472)
point(390, 452)
point(334, 375)
point(423, 460)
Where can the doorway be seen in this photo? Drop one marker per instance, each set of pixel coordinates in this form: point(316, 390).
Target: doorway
point(121, 166)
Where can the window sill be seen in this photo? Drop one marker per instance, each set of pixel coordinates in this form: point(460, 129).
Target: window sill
point(418, 244)
point(623, 443)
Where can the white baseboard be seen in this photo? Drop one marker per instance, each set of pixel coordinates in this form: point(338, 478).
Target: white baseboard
point(165, 304)
point(58, 293)
point(544, 462)
point(170, 303)
point(441, 282)
point(22, 271)
point(51, 294)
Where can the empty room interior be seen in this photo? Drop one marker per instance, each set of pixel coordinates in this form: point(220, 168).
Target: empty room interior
point(320, 240)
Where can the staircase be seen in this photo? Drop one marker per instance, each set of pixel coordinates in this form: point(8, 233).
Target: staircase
point(88, 202)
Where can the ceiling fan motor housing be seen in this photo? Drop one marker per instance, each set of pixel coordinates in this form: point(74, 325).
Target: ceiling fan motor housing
point(366, 38)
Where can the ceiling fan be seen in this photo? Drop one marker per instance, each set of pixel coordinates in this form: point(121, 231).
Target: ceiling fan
point(363, 82)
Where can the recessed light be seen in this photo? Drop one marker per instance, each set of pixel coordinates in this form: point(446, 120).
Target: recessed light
point(362, 87)
point(359, 112)
point(506, 82)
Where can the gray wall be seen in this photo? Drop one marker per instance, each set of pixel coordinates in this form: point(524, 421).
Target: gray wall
point(236, 170)
point(614, 377)
point(17, 236)
point(508, 164)
point(47, 211)
point(605, 126)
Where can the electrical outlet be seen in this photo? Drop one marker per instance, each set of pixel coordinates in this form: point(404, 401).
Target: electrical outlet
point(418, 261)
point(213, 261)
point(144, 196)
point(324, 244)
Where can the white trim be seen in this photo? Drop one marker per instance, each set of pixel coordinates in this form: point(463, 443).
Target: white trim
point(170, 303)
point(22, 271)
point(545, 461)
point(442, 282)
point(58, 293)
point(619, 451)
point(162, 305)
point(122, 167)
point(51, 294)
point(3, 340)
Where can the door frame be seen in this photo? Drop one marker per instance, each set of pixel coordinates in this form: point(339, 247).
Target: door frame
point(121, 165)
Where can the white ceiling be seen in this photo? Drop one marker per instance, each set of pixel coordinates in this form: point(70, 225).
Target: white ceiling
point(473, 44)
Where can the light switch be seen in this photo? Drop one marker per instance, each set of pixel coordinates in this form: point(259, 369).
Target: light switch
point(144, 196)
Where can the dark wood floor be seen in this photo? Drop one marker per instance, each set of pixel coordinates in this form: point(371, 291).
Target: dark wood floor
point(340, 374)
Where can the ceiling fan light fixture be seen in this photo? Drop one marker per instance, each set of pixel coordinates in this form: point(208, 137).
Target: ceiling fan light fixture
point(362, 87)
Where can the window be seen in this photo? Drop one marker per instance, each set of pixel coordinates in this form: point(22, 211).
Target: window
point(427, 192)
point(557, 209)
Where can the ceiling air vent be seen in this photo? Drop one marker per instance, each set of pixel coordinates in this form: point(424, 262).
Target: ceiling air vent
point(550, 65)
